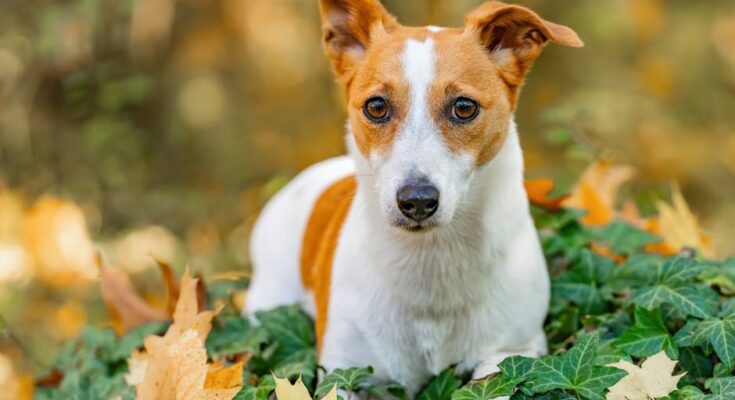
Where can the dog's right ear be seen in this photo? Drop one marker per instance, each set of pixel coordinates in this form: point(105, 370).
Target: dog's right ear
point(348, 27)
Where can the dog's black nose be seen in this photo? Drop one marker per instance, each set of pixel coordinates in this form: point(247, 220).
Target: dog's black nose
point(418, 202)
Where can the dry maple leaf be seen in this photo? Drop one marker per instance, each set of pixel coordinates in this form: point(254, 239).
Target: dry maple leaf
point(221, 377)
point(123, 302)
point(286, 391)
point(175, 364)
point(129, 308)
point(679, 226)
point(538, 194)
point(597, 190)
point(651, 380)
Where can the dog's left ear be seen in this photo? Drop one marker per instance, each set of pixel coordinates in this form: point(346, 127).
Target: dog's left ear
point(349, 27)
point(515, 35)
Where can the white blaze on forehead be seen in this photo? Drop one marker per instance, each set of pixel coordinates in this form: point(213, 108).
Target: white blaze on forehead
point(418, 69)
point(434, 29)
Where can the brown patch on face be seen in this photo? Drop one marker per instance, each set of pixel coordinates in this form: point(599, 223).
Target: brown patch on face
point(380, 74)
point(463, 69)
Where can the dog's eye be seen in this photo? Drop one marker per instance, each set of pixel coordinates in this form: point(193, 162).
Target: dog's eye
point(376, 109)
point(464, 109)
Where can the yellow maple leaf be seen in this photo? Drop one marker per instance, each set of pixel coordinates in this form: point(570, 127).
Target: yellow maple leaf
point(651, 380)
point(174, 365)
point(286, 391)
point(679, 227)
point(597, 190)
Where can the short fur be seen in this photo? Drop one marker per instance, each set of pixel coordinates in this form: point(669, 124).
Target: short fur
point(467, 286)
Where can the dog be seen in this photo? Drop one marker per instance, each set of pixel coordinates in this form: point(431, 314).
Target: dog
point(417, 250)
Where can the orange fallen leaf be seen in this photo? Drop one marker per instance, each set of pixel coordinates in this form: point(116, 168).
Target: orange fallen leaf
point(221, 377)
point(538, 194)
point(597, 190)
point(176, 363)
point(172, 285)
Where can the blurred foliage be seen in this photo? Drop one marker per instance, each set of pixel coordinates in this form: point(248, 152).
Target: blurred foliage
point(166, 125)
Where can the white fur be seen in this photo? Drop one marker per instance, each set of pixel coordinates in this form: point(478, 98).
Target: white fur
point(434, 29)
point(470, 292)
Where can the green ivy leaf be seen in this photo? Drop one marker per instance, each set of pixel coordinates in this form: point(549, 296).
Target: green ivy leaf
point(489, 388)
point(624, 238)
point(721, 334)
point(584, 283)
point(302, 363)
point(721, 388)
point(235, 335)
point(349, 379)
point(442, 386)
point(675, 287)
point(575, 371)
point(266, 385)
point(647, 336)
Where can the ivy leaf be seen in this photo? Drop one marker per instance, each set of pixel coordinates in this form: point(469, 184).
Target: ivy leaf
point(723, 276)
point(687, 393)
point(387, 391)
point(266, 385)
point(721, 388)
point(489, 388)
point(442, 386)
point(575, 371)
point(674, 286)
point(349, 380)
point(513, 371)
point(584, 283)
point(235, 335)
point(647, 336)
point(721, 334)
point(697, 365)
point(299, 364)
point(623, 238)
point(638, 270)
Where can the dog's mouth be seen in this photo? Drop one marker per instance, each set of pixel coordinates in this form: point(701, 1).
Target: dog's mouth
point(416, 227)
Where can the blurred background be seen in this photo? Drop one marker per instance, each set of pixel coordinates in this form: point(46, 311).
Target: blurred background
point(158, 128)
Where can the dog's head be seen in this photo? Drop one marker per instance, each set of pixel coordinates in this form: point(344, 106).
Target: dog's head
point(428, 105)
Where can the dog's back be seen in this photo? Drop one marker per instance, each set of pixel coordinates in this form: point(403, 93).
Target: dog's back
point(284, 252)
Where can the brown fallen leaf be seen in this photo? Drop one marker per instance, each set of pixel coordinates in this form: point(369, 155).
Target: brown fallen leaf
point(176, 363)
point(652, 380)
point(124, 303)
point(129, 310)
point(538, 194)
point(597, 190)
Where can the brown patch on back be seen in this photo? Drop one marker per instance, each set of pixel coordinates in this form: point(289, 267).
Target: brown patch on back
point(320, 243)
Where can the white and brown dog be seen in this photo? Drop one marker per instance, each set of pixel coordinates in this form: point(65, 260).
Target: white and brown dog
point(417, 251)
